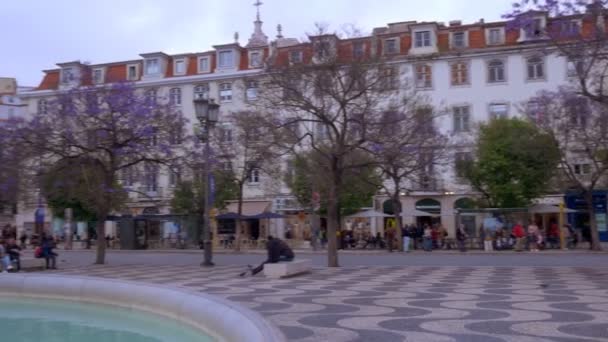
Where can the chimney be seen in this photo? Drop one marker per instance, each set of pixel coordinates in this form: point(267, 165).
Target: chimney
point(482, 21)
point(455, 23)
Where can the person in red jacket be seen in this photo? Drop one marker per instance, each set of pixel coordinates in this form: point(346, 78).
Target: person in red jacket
point(520, 234)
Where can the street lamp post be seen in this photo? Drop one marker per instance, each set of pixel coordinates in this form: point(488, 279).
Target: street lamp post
point(207, 113)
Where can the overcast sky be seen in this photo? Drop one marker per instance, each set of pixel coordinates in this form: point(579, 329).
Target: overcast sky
point(37, 34)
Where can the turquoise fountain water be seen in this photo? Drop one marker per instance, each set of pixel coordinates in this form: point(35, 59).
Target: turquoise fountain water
point(35, 320)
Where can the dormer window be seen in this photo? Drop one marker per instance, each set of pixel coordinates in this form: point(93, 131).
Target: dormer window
point(255, 59)
point(322, 50)
point(391, 46)
point(98, 76)
point(535, 28)
point(495, 36)
point(422, 39)
point(459, 40)
point(358, 49)
point(132, 73)
point(67, 75)
point(226, 59)
point(204, 64)
point(569, 28)
point(295, 57)
point(179, 66)
point(152, 66)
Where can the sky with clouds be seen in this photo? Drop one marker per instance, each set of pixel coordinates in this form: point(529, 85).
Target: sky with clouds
point(37, 34)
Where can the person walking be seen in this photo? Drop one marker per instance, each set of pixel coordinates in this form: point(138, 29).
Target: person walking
point(427, 237)
point(14, 252)
point(23, 239)
point(406, 239)
point(520, 235)
point(461, 237)
point(487, 242)
point(47, 243)
point(533, 233)
point(390, 238)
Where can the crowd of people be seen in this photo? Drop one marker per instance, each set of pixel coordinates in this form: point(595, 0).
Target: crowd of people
point(11, 251)
point(430, 237)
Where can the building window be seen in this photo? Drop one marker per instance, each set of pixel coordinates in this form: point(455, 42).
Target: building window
point(389, 79)
point(358, 49)
point(461, 119)
point(576, 67)
point(495, 36)
point(128, 176)
point(462, 162)
point(460, 73)
point(424, 76)
point(295, 57)
point(175, 96)
point(422, 39)
point(496, 71)
point(150, 178)
point(11, 112)
point(226, 92)
point(322, 50)
point(179, 67)
point(391, 46)
point(132, 72)
point(226, 134)
point(458, 40)
point(253, 175)
point(252, 90)
point(536, 68)
point(534, 29)
point(97, 76)
point(569, 28)
point(255, 59)
point(201, 91)
point(424, 120)
point(226, 59)
point(175, 176)
point(203, 65)
point(578, 110)
point(152, 66)
point(151, 96)
point(499, 110)
point(582, 169)
point(67, 75)
point(43, 107)
point(175, 137)
point(534, 112)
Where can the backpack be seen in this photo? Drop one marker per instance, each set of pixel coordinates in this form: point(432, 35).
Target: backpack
point(38, 252)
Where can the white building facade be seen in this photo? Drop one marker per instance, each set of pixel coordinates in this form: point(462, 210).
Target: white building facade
point(474, 72)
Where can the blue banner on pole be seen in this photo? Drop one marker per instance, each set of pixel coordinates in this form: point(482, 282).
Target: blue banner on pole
point(211, 190)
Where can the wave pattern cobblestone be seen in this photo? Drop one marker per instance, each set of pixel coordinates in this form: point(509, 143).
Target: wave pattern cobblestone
point(394, 303)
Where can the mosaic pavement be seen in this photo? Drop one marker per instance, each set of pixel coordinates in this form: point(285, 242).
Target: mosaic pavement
point(485, 304)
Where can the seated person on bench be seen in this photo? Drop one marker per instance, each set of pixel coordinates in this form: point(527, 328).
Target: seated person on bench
point(278, 251)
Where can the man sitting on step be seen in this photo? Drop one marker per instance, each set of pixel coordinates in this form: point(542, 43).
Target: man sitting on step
point(278, 251)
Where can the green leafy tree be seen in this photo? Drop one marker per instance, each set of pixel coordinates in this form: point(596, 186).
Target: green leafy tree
point(514, 164)
point(306, 178)
point(188, 194)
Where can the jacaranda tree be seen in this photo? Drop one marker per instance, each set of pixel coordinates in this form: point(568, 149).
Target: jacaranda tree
point(106, 129)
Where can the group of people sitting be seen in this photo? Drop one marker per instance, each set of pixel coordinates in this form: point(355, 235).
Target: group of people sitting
point(11, 251)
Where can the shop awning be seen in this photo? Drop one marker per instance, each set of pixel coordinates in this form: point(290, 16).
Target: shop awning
point(250, 208)
point(548, 209)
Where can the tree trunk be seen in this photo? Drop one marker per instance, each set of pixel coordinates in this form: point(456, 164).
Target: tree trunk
point(333, 220)
point(398, 220)
point(595, 238)
point(101, 240)
point(239, 222)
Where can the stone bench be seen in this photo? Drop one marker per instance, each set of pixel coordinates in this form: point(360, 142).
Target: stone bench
point(32, 263)
point(287, 269)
